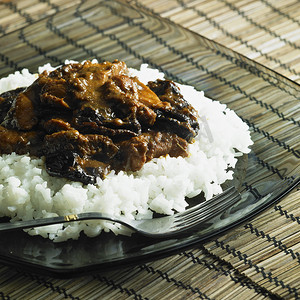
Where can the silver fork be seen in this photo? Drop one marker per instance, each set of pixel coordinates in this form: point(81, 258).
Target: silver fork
point(156, 227)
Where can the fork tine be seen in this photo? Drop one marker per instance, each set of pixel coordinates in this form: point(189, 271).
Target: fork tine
point(196, 216)
point(207, 205)
point(188, 220)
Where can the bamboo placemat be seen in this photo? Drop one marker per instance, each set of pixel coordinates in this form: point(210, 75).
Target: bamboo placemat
point(259, 259)
point(266, 31)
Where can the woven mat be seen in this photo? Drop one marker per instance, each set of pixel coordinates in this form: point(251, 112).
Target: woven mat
point(259, 259)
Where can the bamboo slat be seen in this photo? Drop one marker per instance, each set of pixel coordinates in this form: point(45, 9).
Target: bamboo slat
point(260, 258)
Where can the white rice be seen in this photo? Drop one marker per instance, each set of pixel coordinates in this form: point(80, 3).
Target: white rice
point(162, 185)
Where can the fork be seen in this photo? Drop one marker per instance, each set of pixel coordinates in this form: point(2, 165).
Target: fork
point(156, 227)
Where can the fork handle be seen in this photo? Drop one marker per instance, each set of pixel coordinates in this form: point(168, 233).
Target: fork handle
point(7, 226)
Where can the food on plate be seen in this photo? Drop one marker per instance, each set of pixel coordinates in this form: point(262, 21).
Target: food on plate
point(104, 137)
point(88, 118)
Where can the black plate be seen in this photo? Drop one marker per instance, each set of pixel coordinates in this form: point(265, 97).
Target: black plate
point(266, 101)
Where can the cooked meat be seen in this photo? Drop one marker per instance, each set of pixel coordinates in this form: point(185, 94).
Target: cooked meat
point(135, 152)
point(6, 101)
point(77, 156)
point(16, 141)
point(180, 117)
point(89, 118)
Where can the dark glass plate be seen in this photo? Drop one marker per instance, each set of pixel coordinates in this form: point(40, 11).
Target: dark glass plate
point(266, 101)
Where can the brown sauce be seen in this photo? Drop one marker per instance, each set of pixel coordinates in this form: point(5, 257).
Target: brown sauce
point(87, 119)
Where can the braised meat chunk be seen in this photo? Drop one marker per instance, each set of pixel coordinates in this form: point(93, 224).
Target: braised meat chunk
point(180, 117)
point(89, 118)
